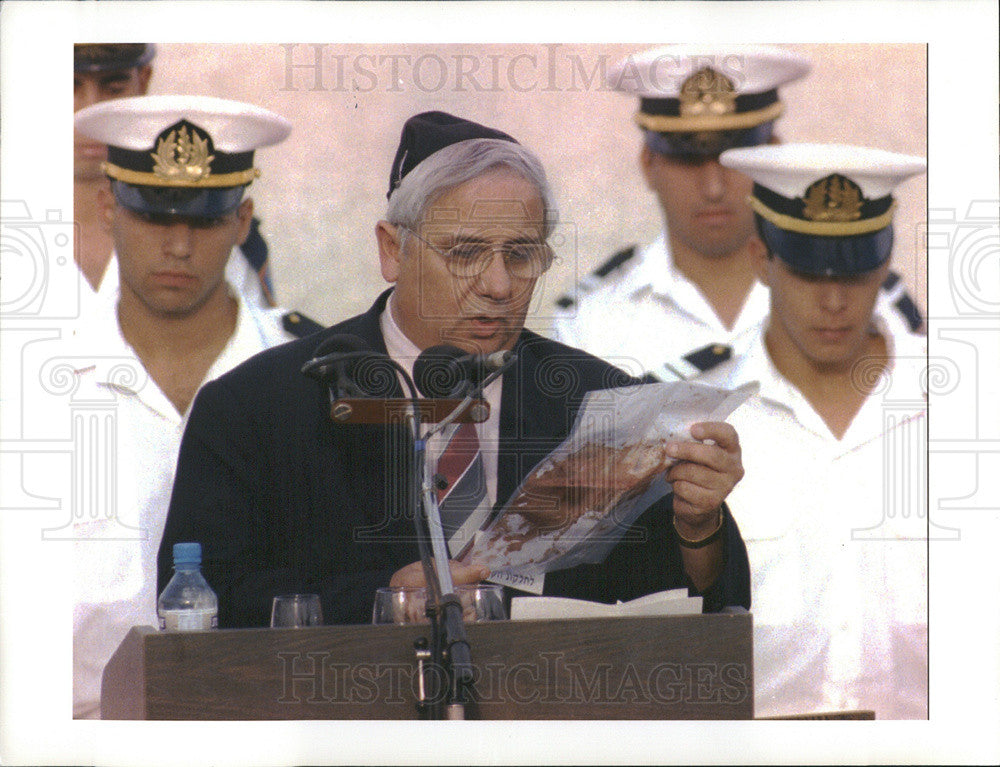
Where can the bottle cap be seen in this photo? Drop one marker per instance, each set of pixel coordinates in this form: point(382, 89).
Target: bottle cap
point(187, 554)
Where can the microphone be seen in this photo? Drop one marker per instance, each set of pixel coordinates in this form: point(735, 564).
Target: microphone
point(443, 372)
point(350, 368)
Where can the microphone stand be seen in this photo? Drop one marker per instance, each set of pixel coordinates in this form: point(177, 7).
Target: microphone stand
point(449, 652)
point(450, 642)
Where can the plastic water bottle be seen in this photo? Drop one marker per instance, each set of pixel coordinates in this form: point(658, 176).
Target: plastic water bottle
point(188, 602)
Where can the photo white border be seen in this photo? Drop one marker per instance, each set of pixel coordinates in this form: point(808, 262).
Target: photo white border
point(35, 724)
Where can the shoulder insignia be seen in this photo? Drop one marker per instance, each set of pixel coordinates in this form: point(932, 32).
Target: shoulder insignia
point(896, 294)
point(592, 281)
point(709, 356)
point(615, 261)
point(299, 325)
point(692, 364)
point(910, 313)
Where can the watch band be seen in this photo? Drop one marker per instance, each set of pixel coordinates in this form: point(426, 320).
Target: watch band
point(711, 538)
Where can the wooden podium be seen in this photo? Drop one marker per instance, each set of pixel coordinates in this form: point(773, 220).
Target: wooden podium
point(675, 667)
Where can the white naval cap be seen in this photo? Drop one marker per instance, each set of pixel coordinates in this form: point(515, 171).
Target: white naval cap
point(825, 208)
point(197, 143)
point(694, 89)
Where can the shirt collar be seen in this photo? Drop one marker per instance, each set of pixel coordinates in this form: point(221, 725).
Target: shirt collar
point(756, 365)
point(399, 347)
point(657, 273)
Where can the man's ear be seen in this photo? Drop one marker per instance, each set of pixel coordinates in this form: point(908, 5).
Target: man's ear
point(646, 159)
point(389, 252)
point(105, 207)
point(244, 215)
point(760, 258)
point(145, 72)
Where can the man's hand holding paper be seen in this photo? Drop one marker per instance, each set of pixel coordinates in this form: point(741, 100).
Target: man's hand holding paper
point(626, 445)
point(703, 475)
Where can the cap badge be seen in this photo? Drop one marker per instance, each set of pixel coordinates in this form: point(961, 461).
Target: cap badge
point(834, 198)
point(182, 154)
point(707, 92)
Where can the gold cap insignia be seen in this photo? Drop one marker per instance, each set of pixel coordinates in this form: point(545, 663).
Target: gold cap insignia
point(707, 92)
point(182, 155)
point(835, 198)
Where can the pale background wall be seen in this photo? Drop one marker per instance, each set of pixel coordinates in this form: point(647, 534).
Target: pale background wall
point(323, 189)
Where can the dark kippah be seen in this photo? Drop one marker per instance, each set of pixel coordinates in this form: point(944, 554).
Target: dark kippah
point(426, 133)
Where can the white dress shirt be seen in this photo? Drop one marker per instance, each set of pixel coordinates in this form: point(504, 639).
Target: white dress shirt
point(405, 352)
point(836, 534)
point(114, 556)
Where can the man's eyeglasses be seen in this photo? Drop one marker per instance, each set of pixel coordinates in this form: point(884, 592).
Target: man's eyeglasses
point(523, 260)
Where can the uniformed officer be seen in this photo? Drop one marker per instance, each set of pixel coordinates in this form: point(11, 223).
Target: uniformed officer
point(833, 504)
point(175, 208)
point(684, 303)
point(106, 71)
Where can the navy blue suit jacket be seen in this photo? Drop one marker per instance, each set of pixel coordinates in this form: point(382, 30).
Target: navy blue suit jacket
point(283, 500)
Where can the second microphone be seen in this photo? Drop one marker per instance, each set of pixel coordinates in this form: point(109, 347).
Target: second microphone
point(442, 372)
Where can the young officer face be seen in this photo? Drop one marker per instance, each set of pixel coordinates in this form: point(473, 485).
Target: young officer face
point(704, 204)
point(173, 264)
point(91, 88)
point(480, 314)
point(822, 321)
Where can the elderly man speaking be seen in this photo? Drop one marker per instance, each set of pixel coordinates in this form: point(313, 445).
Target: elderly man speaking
point(282, 499)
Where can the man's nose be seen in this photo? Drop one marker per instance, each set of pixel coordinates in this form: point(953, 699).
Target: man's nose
point(495, 281)
point(713, 179)
point(178, 239)
point(85, 93)
point(833, 296)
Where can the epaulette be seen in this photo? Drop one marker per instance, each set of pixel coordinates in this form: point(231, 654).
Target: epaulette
point(709, 356)
point(592, 281)
point(694, 363)
point(614, 262)
point(299, 325)
point(896, 291)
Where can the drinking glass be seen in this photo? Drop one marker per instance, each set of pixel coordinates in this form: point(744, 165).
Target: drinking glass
point(480, 602)
point(296, 611)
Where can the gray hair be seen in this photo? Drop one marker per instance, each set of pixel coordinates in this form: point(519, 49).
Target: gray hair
point(460, 162)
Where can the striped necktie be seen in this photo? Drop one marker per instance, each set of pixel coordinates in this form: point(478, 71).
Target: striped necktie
point(463, 501)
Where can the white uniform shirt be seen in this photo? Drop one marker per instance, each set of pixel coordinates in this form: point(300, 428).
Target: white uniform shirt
point(836, 534)
point(645, 316)
point(648, 313)
point(115, 555)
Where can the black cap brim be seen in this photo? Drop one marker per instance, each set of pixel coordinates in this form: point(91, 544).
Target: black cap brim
point(98, 58)
point(828, 256)
point(705, 144)
point(178, 201)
